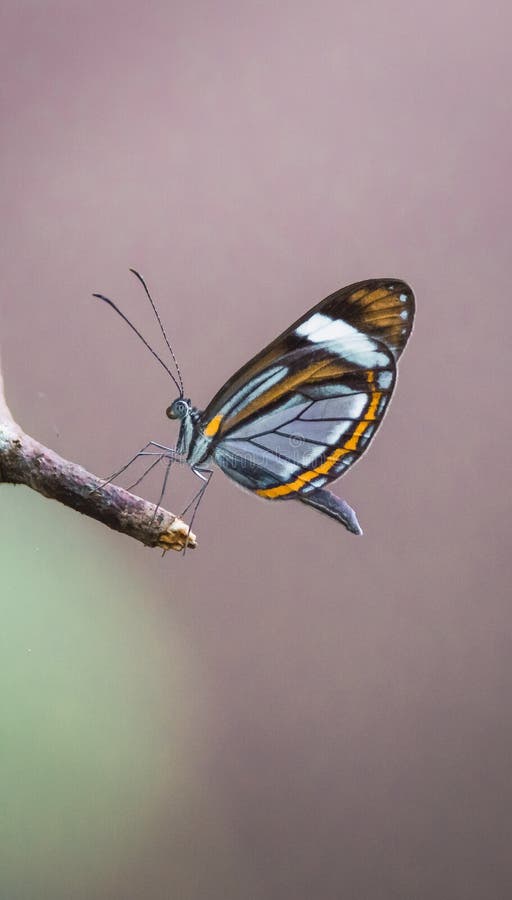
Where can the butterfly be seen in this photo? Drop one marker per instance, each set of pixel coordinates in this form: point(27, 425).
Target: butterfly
point(301, 412)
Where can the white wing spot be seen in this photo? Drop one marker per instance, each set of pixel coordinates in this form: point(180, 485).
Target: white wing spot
point(404, 314)
point(384, 379)
point(313, 324)
point(403, 297)
point(357, 347)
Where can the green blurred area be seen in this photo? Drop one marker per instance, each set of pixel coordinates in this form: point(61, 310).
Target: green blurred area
point(94, 742)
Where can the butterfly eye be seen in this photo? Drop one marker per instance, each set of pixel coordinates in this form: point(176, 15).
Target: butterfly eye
point(177, 410)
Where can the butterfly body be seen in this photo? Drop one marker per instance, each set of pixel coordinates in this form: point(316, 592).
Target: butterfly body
point(297, 415)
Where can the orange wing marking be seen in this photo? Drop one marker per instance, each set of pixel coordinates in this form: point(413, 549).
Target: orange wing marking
point(213, 426)
point(283, 489)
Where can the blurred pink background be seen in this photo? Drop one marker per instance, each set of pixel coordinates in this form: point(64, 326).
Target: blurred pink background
point(351, 700)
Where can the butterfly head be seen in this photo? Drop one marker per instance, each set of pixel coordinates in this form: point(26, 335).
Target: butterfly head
point(179, 409)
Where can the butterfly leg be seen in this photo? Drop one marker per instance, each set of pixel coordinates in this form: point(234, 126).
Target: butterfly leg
point(161, 450)
point(170, 461)
point(204, 475)
point(159, 458)
point(331, 505)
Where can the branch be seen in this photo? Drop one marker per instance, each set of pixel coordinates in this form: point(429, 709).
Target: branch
point(25, 461)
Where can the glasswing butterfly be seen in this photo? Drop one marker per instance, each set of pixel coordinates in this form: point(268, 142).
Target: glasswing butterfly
point(304, 409)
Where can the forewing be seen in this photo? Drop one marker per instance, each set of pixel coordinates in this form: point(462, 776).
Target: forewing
point(357, 328)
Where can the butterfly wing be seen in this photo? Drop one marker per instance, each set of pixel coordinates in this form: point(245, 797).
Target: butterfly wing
point(310, 437)
point(304, 409)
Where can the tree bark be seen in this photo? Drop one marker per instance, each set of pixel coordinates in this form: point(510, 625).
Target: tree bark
point(25, 461)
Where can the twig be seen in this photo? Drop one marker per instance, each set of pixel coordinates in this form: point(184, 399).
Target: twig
point(25, 461)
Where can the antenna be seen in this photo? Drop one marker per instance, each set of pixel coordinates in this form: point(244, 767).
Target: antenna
point(162, 329)
point(143, 339)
